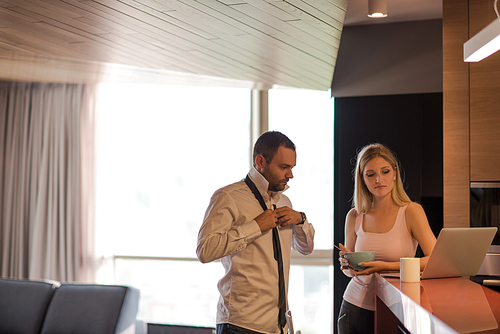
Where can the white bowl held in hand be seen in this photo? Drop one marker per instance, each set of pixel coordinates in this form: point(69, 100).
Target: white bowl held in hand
point(355, 258)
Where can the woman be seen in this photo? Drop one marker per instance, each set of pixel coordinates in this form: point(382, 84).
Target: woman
point(383, 219)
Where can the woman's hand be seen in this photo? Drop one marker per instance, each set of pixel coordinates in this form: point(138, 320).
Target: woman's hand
point(371, 267)
point(344, 264)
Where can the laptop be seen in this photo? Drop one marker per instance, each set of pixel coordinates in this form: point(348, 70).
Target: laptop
point(457, 252)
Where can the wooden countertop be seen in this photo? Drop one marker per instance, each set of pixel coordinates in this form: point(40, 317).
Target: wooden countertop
point(451, 305)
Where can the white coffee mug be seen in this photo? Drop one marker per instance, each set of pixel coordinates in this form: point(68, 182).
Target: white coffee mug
point(409, 269)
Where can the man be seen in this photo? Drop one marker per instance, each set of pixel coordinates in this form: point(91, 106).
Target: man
point(237, 230)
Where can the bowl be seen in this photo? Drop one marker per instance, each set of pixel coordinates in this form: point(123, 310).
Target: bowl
point(356, 257)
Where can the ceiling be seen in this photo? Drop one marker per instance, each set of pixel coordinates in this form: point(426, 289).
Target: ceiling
point(252, 43)
point(397, 11)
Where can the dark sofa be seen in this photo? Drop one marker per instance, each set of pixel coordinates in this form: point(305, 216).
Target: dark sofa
point(42, 307)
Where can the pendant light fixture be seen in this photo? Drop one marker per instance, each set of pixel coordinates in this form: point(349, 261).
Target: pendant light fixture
point(484, 43)
point(377, 8)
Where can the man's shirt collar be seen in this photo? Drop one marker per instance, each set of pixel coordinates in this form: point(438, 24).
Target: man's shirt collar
point(263, 185)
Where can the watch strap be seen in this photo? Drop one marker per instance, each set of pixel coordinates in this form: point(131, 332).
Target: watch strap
point(303, 218)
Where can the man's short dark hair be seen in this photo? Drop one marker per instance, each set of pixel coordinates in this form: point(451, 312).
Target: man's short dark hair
point(268, 144)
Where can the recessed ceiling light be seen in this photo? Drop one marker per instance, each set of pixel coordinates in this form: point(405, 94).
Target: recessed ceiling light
point(377, 8)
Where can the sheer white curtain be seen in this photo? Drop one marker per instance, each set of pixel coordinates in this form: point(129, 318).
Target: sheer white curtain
point(46, 181)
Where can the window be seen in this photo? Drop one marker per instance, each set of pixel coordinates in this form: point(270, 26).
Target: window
point(307, 118)
point(161, 153)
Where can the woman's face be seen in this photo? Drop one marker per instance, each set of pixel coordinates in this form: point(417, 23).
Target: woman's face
point(379, 177)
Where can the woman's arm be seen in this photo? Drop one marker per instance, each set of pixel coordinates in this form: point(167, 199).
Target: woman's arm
point(419, 228)
point(350, 230)
point(349, 242)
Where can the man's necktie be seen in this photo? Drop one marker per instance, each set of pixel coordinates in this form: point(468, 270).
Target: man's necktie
point(277, 256)
point(281, 280)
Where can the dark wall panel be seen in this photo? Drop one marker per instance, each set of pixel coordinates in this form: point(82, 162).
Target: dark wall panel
point(389, 58)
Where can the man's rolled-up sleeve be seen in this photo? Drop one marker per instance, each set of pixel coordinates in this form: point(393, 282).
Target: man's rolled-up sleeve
point(303, 238)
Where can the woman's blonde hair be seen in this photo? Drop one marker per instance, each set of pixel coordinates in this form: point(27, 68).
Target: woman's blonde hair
point(362, 199)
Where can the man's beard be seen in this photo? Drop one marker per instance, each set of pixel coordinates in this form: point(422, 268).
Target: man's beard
point(278, 186)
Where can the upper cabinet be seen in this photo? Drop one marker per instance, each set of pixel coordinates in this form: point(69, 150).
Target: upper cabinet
point(471, 109)
point(456, 190)
point(484, 103)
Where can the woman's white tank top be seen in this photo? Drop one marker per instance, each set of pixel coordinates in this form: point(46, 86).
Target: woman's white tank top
point(389, 246)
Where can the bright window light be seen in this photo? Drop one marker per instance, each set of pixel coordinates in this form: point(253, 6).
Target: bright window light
point(306, 117)
point(162, 151)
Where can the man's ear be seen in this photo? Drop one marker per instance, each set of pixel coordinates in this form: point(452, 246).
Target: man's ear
point(260, 161)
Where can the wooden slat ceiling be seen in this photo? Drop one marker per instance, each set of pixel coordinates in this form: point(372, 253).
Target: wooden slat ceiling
point(265, 43)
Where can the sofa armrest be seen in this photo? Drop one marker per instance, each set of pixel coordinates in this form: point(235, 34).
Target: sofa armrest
point(127, 320)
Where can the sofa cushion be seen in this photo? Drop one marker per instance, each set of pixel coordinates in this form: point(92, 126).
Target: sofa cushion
point(23, 305)
point(84, 309)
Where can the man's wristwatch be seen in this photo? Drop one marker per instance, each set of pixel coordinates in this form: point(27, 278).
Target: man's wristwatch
point(303, 218)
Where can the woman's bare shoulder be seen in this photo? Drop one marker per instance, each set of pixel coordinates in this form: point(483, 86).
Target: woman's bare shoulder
point(351, 217)
point(352, 213)
point(414, 209)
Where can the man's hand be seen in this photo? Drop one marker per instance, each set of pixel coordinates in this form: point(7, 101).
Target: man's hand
point(266, 220)
point(287, 216)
